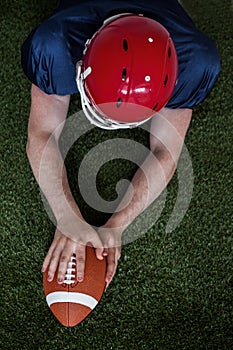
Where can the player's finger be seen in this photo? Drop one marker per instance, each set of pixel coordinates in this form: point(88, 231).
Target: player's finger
point(49, 255)
point(47, 260)
point(80, 261)
point(65, 257)
point(98, 245)
point(99, 252)
point(111, 265)
point(118, 254)
point(54, 260)
point(105, 252)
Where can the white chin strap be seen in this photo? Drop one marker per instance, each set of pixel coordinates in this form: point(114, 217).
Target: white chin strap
point(91, 112)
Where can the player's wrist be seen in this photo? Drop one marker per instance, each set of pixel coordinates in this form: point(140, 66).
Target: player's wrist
point(119, 221)
point(110, 237)
point(71, 223)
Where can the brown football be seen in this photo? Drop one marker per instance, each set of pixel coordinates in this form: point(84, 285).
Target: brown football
point(72, 301)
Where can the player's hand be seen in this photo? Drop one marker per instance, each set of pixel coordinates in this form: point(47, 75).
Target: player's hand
point(62, 248)
point(111, 239)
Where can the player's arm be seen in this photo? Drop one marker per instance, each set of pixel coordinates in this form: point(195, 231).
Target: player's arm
point(167, 134)
point(47, 117)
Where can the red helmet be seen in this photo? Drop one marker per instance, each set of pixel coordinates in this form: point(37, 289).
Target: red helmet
point(128, 72)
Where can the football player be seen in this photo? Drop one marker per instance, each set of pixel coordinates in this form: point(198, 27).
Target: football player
point(130, 61)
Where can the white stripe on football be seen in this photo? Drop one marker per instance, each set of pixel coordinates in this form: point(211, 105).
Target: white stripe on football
point(71, 297)
point(72, 301)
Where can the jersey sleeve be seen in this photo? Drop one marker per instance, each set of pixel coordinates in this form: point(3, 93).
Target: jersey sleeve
point(198, 69)
point(50, 52)
point(47, 64)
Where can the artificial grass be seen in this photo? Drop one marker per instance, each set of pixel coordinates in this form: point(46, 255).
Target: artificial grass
point(172, 290)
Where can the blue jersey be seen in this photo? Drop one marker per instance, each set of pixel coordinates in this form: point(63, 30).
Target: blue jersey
point(51, 51)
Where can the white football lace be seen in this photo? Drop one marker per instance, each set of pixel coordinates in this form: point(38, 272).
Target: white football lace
point(70, 272)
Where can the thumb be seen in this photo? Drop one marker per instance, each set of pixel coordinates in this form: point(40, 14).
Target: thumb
point(99, 248)
point(99, 253)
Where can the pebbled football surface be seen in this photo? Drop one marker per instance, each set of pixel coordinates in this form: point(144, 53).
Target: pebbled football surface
point(72, 301)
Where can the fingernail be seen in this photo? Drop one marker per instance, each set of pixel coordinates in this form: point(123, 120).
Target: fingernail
point(60, 280)
point(80, 278)
point(50, 278)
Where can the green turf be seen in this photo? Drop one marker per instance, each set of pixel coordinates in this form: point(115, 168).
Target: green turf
point(172, 291)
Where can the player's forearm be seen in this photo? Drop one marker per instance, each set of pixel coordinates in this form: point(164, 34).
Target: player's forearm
point(49, 170)
point(147, 184)
point(47, 117)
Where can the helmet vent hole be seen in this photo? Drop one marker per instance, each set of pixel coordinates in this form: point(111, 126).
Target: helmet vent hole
point(155, 106)
point(169, 53)
point(119, 102)
point(165, 80)
point(124, 74)
point(125, 45)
